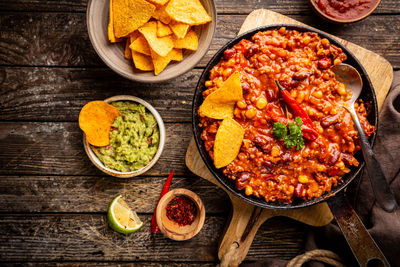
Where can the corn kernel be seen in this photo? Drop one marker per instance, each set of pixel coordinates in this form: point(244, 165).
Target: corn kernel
point(208, 83)
point(291, 189)
point(303, 179)
point(311, 111)
point(342, 89)
point(241, 104)
point(248, 190)
point(320, 129)
point(317, 94)
point(333, 111)
point(337, 61)
point(300, 96)
point(251, 113)
point(275, 151)
point(340, 165)
point(320, 168)
point(261, 103)
point(227, 72)
point(293, 93)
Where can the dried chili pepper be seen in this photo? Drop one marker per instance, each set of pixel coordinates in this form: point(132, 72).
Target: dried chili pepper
point(298, 111)
point(154, 225)
point(181, 210)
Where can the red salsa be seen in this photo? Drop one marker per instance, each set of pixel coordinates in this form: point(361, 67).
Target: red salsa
point(181, 210)
point(345, 9)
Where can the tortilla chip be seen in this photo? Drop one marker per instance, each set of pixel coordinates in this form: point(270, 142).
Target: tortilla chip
point(133, 36)
point(159, 2)
point(187, 11)
point(180, 29)
point(161, 62)
point(189, 42)
point(127, 53)
point(162, 46)
point(161, 15)
point(163, 29)
point(140, 45)
point(129, 15)
point(110, 28)
point(228, 141)
point(95, 120)
point(142, 62)
point(221, 103)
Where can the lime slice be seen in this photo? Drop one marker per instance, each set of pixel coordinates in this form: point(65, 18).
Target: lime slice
point(121, 218)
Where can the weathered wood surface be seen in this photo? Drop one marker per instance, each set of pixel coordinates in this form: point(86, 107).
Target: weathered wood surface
point(223, 6)
point(86, 237)
point(33, 194)
point(54, 200)
point(56, 148)
point(61, 39)
point(58, 94)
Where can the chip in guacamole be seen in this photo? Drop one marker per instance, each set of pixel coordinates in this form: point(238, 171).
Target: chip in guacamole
point(134, 139)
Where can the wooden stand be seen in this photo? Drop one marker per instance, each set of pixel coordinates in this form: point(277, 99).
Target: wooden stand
point(246, 218)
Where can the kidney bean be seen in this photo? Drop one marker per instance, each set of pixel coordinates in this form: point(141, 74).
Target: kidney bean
point(251, 51)
point(324, 63)
point(298, 191)
point(328, 120)
point(270, 95)
point(334, 156)
point(266, 166)
point(285, 158)
point(229, 53)
point(301, 75)
point(262, 143)
point(242, 179)
point(245, 87)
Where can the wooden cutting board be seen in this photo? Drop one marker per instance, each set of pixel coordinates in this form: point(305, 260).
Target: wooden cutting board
point(246, 218)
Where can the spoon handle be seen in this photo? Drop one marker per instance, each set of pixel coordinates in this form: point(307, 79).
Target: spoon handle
point(383, 194)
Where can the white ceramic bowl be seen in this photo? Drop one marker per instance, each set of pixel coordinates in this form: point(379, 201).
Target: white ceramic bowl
point(113, 54)
point(92, 156)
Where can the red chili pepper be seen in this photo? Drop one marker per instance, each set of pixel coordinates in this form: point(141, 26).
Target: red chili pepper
point(298, 111)
point(154, 225)
point(308, 133)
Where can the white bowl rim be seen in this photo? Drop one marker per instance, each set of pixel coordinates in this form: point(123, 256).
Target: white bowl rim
point(152, 79)
point(95, 160)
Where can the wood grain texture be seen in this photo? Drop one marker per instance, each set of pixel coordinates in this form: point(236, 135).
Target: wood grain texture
point(94, 193)
point(57, 149)
point(223, 6)
point(61, 39)
point(86, 237)
point(58, 94)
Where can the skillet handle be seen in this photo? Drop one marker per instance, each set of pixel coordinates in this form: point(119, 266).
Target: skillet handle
point(360, 241)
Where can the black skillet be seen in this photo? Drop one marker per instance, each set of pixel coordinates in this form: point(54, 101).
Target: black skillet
point(361, 243)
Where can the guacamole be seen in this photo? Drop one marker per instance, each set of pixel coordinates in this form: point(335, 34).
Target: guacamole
point(134, 139)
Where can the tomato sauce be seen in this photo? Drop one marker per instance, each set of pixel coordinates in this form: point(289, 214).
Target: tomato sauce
point(345, 9)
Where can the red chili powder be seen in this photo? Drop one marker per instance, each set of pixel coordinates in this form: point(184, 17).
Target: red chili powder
point(181, 210)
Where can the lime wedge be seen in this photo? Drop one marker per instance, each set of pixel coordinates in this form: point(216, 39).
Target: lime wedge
point(121, 218)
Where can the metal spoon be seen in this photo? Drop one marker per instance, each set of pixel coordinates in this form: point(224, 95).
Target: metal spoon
point(383, 194)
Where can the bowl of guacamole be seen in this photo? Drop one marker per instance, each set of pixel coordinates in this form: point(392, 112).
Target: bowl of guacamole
point(137, 139)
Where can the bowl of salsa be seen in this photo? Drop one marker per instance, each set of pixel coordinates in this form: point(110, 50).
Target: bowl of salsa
point(344, 11)
point(137, 139)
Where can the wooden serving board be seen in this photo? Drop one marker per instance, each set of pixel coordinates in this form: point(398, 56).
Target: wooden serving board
point(246, 218)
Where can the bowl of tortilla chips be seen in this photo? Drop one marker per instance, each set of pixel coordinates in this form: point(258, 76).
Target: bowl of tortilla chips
point(151, 40)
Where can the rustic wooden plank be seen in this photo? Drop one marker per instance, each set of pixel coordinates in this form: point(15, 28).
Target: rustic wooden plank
point(86, 237)
point(58, 94)
point(60, 39)
point(223, 6)
point(57, 149)
point(114, 263)
point(94, 193)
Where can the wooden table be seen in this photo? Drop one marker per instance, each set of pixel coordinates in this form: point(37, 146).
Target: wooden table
point(54, 201)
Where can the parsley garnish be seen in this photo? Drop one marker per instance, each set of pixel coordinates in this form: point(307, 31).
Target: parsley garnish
point(295, 136)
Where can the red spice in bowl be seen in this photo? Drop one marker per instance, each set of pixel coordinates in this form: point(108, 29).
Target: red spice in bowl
point(181, 210)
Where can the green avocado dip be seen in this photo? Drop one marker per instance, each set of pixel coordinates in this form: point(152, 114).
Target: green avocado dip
point(134, 139)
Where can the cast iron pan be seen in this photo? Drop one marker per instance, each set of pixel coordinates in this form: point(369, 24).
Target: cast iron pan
point(344, 214)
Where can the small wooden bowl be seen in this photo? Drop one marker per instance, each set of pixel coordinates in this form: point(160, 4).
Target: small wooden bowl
point(170, 228)
point(113, 54)
point(338, 21)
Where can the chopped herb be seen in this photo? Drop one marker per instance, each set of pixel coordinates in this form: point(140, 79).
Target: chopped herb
point(295, 136)
point(280, 130)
